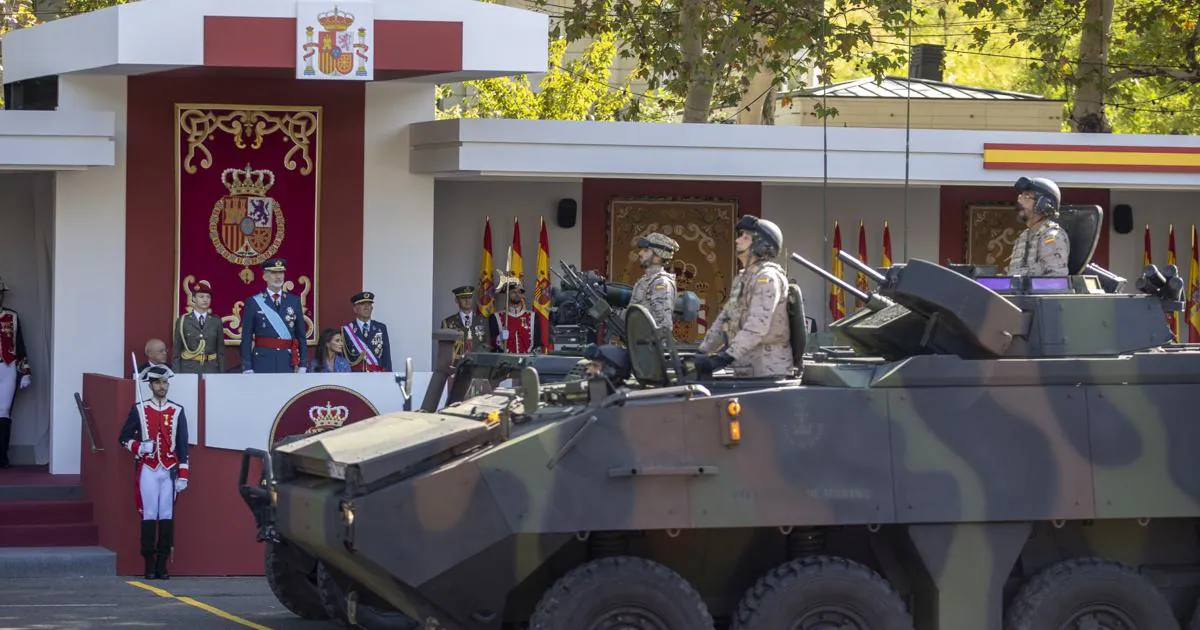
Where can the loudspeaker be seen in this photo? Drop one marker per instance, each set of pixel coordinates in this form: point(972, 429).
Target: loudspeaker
point(1122, 218)
point(566, 213)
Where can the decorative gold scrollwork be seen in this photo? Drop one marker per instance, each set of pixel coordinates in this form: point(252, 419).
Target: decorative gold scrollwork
point(252, 125)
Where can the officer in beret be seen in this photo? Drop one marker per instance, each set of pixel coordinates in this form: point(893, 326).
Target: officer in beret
point(367, 344)
point(655, 290)
point(469, 322)
point(273, 335)
point(197, 345)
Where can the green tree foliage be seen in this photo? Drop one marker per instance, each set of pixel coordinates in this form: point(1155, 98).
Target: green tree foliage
point(15, 14)
point(706, 50)
point(74, 7)
point(578, 90)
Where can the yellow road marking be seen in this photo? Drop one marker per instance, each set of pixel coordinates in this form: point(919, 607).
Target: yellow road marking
point(201, 605)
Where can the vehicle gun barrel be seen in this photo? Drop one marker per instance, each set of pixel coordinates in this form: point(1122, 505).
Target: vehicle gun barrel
point(846, 286)
point(861, 266)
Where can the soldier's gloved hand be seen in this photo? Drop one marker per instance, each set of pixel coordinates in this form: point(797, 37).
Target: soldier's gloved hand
point(146, 448)
point(247, 371)
point(301, 370)
point(707, 364)
point(25, 381)
point(180, 484)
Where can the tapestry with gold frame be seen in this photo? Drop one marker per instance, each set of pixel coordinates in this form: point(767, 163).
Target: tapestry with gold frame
point(247, 185)
point(991, 229)
point(705, 262)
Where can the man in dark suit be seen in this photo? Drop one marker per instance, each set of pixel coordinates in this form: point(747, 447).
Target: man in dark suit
point(469, 322)
point(273, 336)
point(198, 347)
point(367, 343)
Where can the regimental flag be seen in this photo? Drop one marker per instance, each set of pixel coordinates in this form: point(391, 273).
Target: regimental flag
point(1173, 319)
point(541, 290)
point(1146, 258)
point(860, 278)
point(887, 246)
point(1193, 293)
point(486, 289)
point(837, 300)
point(516, 268)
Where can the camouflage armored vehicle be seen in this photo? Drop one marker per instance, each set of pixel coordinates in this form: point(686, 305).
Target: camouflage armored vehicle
point(984, 453)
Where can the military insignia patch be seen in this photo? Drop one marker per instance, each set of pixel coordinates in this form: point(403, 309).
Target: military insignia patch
point(1049, 240)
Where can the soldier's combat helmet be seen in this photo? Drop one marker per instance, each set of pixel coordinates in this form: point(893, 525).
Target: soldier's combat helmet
point(1047, 197)
point(660, 244)
point(768, 238)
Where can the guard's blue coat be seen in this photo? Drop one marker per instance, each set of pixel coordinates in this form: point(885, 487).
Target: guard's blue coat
point(255, 324)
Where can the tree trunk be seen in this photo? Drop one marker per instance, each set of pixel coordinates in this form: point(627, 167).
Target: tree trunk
point(700, 79)
point(1091, 75)
point(757, 105)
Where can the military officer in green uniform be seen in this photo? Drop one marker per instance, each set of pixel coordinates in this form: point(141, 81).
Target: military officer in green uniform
point(197, 346)
point(468, 321)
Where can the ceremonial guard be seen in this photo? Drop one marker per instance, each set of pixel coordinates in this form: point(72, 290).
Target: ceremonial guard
point(474, 328)
point(752, 331)
point(14, 370)
point(513, 329)
point(197, 345)
point(655, 290)
point(273, 335)
point(1043, 248)
point(367, 344)
point(156, 432)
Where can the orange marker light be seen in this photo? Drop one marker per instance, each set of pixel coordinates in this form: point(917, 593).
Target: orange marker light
point(734, 408)
point(735, 431)
point(493, 417)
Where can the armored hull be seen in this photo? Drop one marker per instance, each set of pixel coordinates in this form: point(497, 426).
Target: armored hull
point(996, 472)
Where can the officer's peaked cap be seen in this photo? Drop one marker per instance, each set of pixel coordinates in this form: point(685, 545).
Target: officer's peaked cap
point(464, 291)
point(275, 264)
point(363, 297)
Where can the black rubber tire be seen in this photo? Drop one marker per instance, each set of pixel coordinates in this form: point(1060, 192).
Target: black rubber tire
point(295, 590)
point(367, 617)
point(1051, 598)
point(583, 595)
point(783, 596)
point(1194, 623)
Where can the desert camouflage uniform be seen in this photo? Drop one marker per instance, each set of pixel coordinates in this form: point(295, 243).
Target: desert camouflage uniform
point(1041, 250)
point(754, 323)
point(656, 291)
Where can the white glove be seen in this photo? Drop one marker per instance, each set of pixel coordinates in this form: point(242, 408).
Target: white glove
point(504, 335)
point(146, 448)
point(25, 381)
point(301, 370)
point(247, 371)
point(180, 484)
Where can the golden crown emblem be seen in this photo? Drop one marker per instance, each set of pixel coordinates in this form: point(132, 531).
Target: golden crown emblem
point(327, 417)
point(248, 182)
point(335, 20)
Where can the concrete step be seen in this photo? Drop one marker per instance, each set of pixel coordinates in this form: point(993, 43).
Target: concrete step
point(45, 512)
point(38, 492)
point(56, 535)
point(49, 562)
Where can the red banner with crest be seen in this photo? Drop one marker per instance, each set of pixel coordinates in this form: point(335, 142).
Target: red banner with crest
point(247, 189)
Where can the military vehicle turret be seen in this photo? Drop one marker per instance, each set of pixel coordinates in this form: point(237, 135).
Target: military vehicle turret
point(983, 453)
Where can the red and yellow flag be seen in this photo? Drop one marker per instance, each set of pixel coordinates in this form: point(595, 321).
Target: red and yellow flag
point(887, 246)
point(860, 278)
point(486, 289)
point(1193, 287)
point(515, 266)
point(1173, 319)
point(541, 290)
point(837, 301)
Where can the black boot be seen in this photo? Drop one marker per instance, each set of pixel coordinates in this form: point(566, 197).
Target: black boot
point(5, 434)
point(166, 540)
point(148, 530)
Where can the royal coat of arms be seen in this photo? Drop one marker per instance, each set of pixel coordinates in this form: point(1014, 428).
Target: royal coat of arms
point(338, 53)
point(246, 226)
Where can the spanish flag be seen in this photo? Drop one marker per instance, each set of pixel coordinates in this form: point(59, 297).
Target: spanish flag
point(1193, 307)
point(1173, 319)
point(837, 301)
point(486, 289)
point(860, 278)
point(1146, 258)
point(887, 246)
point(541, 290)
point(515, 266)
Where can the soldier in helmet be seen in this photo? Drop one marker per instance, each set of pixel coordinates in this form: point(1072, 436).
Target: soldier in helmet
point(655, 290)
point(752, 332)
point(1042, 249)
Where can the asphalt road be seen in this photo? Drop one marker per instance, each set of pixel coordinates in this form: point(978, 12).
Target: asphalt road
point(112, 602)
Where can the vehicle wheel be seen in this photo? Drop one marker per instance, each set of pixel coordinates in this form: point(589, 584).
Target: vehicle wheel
point(1089, 593)
point(293, 586)
point(1194, 624)
point(369, 613)
point(822, 592)
point(621, 592)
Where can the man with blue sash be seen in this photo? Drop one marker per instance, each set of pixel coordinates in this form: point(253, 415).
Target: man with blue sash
point(273, 336)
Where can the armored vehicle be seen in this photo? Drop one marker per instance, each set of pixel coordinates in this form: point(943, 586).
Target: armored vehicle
point(982, 453)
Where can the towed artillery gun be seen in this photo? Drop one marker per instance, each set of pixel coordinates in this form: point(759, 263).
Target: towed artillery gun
point(984, 454)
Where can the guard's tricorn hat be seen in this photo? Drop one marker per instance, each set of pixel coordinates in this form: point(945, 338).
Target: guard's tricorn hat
point(464, 291)
point(275, 264)
point(157, 372)
point(362, 296)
